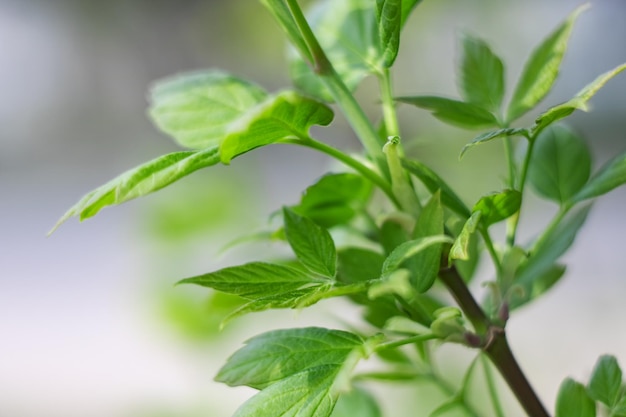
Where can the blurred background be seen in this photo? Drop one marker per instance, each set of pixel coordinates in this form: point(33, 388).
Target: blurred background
point(90, 323)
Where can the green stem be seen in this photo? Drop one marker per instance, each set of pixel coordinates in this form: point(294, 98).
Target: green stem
point(367, 172)
point(491, 386)
point(514, 222)
point(510, 161)
point(492, 250)
point(389, 107)
point(400, 184)
point(350, 107)
point(407, 341)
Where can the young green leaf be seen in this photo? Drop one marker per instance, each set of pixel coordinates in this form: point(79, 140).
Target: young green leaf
point(357, 402)
point(605, 385)
point(495, 134)
point(542, 69)
point(140, 181)
point(253, 280)
point(560, 164)
point(281, 12)
point(409, 249)
point(196, 109)
point(279, 354)
point(434, 182)
point(610, 176)
point(454, 112)
point(358, 265)
point(579, 102)
point(306, 394)
point(426, 263)
point(481, 74)
point(348, 33)
point(499, 206)
point(313, 245)
point(573, 401)
point(287, 115)
point(460, 248)
point(389, 19)
point(334, 199)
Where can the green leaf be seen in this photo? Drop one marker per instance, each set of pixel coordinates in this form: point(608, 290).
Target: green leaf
point(425, 264)
point(540, 266)
point(454, 112)
point(334, 199)
point(358, 265)
point(461, 247)
point(313, 245)
point(579, 102)
point(609, 177)
point(620, 408)
point(306, 394)
point(357, 402)
point(409, 249)
point(389, 19)
point(499, 206)
point(434, 182)
point(407, 7)
point(283, 116)
point(279, 354)
point(573, 401)
point(542, 68)
point(196, 109)
point(495, 134)
point(560, 164)
point(606, 381)
point(253, 280)
point(348, 32)
point(141, 181)
point(481, 74)
point(281, 12)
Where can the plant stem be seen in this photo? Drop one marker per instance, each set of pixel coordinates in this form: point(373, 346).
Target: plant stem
point(511, 235)
point(496, 346)
point(499, 352)
point(351, 109)
point(492, 250)
point(389, 108)
point(400, 184)
point(367, 172)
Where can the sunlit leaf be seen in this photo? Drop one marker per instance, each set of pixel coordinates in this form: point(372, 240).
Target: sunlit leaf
point(306, 394)
point(286, 115)
point(142, 180)
point(499, 206)
point(542, 68)
point(275, 355)
point(573, 401)
point(481, 74)
point(579, 102)
point(409, 249)
point(560, 164)
point(610, 176)
point(454, 112)
point(605, 384)
point(312, 244)
point(196, 109)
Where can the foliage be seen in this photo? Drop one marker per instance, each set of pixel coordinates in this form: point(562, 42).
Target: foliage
point(415, 241)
